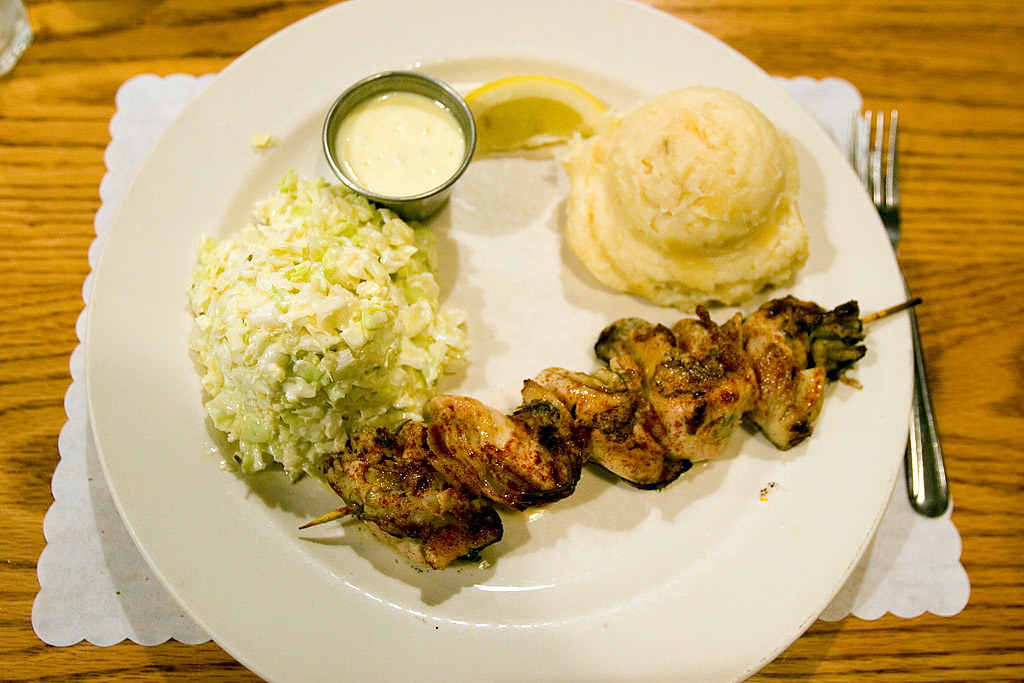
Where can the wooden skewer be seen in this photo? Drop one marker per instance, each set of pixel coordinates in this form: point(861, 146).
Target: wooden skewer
point(330, 516)
point(892, 310)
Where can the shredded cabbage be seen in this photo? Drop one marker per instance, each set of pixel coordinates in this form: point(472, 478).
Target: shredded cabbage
point(319, 318)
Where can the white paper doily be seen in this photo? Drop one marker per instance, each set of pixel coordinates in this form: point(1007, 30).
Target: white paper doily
point(96, 586)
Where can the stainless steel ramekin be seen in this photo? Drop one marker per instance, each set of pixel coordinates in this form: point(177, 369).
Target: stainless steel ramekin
point(414, 207)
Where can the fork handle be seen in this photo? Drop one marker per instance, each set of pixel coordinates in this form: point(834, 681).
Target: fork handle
point(925, 470)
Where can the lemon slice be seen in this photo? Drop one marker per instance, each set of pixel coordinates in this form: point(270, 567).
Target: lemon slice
point(526, 112)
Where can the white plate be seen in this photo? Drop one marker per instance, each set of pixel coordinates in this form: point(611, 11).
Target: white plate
point(702, 580)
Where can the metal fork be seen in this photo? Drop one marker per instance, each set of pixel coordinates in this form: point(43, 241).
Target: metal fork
point(873, 151)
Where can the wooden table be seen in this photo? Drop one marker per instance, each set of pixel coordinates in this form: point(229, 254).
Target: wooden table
point(954, 70)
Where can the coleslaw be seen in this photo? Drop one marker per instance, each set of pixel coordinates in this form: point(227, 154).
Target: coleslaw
point(318, 318)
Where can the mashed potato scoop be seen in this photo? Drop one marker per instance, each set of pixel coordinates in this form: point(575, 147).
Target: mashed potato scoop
point(689, 198)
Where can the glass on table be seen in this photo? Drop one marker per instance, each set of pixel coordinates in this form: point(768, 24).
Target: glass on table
point(15, 33)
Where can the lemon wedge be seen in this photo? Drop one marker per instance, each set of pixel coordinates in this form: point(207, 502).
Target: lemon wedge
point(526, 112)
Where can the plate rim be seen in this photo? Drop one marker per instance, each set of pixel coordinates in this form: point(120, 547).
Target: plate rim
point(119, 219)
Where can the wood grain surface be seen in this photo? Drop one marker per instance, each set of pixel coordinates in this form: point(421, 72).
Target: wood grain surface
point(955, 70)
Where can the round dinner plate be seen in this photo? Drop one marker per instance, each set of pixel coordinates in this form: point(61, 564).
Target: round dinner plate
point(707, 579)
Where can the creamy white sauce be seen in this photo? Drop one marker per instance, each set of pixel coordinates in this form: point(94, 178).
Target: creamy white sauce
point(400, 144)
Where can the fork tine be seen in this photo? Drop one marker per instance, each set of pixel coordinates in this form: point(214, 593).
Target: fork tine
point(892, 181)
point(877, 186)
point(859, 143)
point(873, 152)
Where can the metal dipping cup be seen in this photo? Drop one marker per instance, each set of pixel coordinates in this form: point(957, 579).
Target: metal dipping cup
point(417, 207)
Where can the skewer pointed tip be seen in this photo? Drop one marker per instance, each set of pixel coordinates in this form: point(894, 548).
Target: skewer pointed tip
point(892, 310)
point(329, 517)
